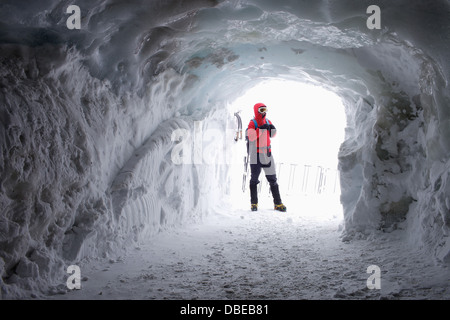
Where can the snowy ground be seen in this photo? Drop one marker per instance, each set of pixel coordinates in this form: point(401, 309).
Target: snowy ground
point(265, 255)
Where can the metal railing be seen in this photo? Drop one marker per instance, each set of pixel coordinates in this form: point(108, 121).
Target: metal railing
point(311, 180)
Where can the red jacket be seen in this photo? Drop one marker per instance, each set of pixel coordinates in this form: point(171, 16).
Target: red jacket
point(262, 137)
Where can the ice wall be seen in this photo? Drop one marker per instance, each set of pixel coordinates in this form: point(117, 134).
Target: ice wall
point(87, 117)
point(77, 161)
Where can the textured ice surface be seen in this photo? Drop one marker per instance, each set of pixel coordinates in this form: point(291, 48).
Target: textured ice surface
point(86, 117)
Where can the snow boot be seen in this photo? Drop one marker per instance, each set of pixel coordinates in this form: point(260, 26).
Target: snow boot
point(279, 206)
point(254, 207)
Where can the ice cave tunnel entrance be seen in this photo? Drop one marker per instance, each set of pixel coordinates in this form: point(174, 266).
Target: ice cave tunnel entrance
point(310, 122)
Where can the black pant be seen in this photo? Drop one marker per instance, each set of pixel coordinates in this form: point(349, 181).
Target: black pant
point(269, 170)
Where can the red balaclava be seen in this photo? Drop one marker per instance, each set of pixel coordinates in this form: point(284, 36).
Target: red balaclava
point(260, 118)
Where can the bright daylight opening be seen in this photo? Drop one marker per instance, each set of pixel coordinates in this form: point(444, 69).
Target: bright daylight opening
point(310, 123)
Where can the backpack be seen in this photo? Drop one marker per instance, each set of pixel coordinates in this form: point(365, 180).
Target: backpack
point(256, 123)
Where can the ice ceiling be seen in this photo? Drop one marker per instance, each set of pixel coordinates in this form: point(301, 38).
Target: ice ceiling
point(87, 115)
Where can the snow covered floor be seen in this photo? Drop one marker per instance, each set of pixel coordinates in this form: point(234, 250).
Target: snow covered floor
point(265, 255)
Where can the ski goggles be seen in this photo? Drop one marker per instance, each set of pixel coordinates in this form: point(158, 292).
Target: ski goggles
point(262, 109)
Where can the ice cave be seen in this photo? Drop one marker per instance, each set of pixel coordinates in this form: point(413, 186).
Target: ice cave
point(121, 176)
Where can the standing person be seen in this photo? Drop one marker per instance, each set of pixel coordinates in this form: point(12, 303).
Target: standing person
point(259, 132)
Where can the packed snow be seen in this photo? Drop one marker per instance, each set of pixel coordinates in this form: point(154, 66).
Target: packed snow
point(265, 255)
point(105, 164)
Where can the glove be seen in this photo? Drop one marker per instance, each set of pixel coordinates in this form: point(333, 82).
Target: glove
point(265, 126)
point(272, 130)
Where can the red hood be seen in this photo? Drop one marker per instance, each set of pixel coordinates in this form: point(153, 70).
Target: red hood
point(258, 116)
